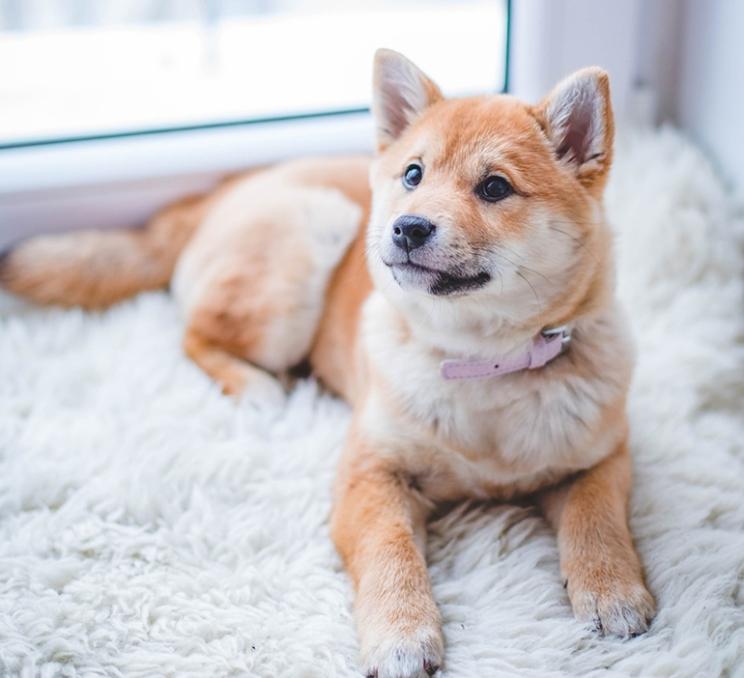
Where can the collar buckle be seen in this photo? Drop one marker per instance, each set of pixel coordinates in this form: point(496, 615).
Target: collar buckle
point(564, 331)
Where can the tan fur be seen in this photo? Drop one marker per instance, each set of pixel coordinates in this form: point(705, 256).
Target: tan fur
point(334, 357)
point(232, 373)
point(280, 267)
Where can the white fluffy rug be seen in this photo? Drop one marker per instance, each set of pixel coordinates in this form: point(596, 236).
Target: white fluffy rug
point(149, 526)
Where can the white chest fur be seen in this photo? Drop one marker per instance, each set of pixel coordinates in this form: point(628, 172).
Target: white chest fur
point(495, 435)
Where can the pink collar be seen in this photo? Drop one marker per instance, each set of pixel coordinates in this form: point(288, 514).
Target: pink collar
point(546, 346)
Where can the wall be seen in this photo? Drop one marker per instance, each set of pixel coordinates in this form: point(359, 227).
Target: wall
point(710, 92)
point(552, 38)
point(669, 60)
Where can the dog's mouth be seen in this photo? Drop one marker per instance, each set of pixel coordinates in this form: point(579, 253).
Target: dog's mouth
point(438, 282)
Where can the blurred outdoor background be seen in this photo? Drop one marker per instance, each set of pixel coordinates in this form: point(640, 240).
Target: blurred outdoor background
point(85, 67)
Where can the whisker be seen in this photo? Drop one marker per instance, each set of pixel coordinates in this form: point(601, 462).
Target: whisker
point(580, 242)
point(537, 298)
point(566, 233)
point(522, 266)
point(521, 275)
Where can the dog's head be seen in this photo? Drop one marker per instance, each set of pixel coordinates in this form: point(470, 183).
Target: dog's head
point(486, 198)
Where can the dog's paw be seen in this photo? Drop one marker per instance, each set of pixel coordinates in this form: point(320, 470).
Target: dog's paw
point(620, 608)
point(411, 655)
point(260, 390)
point(264, 390)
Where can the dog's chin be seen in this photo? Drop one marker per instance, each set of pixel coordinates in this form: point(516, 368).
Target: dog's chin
point(439, 283)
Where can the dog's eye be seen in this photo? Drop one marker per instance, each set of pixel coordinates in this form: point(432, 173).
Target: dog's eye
point(494, 189)
point(412, 176)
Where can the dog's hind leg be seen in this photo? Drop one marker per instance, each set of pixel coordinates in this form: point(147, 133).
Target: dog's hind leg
point(235, 375)
point(252, 283)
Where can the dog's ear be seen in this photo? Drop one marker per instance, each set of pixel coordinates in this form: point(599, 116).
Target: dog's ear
point(400, 94)
point(577, 117)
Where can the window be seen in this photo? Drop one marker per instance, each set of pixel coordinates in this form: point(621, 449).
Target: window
point(110, 110)
point(86, 68)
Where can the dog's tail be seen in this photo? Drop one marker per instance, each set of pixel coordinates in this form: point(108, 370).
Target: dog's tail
point(95, 269)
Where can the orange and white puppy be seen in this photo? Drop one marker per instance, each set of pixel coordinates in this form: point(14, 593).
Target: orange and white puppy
point(485, 233)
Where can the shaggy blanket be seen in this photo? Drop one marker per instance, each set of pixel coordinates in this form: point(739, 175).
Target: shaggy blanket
point(151, 527)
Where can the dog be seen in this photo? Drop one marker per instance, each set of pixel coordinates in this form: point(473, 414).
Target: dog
point(464, 306)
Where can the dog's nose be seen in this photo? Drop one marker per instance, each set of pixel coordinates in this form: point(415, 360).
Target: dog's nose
point(410, 231)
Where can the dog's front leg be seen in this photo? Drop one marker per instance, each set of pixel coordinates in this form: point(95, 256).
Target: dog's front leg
point(379, 527)
point(600, 566)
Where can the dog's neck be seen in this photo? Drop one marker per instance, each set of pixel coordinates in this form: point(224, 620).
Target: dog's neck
point(458, 332)
point(465, 327)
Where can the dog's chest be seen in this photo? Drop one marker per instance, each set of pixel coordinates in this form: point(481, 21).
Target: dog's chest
point(491, 436)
